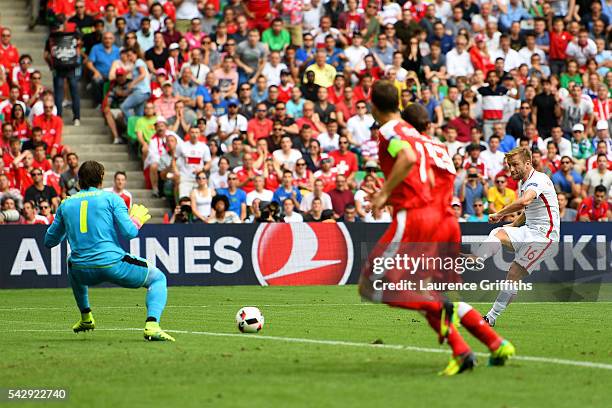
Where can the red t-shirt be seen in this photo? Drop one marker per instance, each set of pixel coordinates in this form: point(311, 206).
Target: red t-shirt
point(272, 182)
point(51, 128)
point(510, 182)
point(21, 130)
point(9, 57)
point(52, 179)
point(260, 130)
point(359, 94)
point(243, 175)
point(329, 180)
point(4, 91)
point(23, 179)
point(43, 165)
point(588, 209)
point(415, 190)
point(558, 44)
point(259, 8)
point(346, 164)
point(284, 92)
point(334, 97)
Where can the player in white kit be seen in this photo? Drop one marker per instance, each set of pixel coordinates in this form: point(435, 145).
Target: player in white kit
point(532, 236)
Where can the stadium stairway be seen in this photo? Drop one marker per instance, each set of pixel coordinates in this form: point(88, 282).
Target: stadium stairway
point(92, 140)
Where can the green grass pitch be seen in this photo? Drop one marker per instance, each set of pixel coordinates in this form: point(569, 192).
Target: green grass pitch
point(211, 364)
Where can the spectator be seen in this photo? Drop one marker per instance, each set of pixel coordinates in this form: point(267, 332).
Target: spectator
point(517, 123)
point(595, 207)
point(182, 213)
point(218, 178)
point(260, 193)
point(246, 174)
point(316, 211)
point(563, 145)
point(30, 215)
point(566, 179)
point(576, 111)
point(512, 59)
point(324, 73)
point(359, 125)
point(69, 180)
point(99, 63)
point(543, 104)
point(472, 189)
point(499, 196)
point(201, 197)
point(38, 191)
point(600, 176)
point(259, 127)
point(458, 59)
point(119, 184)
point(133, 17)
point(317, 192)
point(512, 12)
point(287, 156)
point(479, 212)
point(582, 48)
point(341, 196)
point(232, 125)
point(456, 206)
point(289, 215)
point(63, 55)
point(276, 37)
point(192, 157)
point(139, 87)
point(227, 77)
point(493, 158)
point(345, 160)
point(565, 213)
point(251, 55)
point(235, 198)
point(463, 123)
point(52, 177)
point(52, 130)
point(287, 190)
point(9, 55)
point(473, 160)
point(157, 55)
point(329, 139)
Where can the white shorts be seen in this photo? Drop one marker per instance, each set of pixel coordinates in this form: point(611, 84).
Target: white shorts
point(116, 113)
point(185, 188)
point(530, 247)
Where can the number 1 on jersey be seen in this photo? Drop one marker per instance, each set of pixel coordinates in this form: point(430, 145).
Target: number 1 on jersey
point(83, 216)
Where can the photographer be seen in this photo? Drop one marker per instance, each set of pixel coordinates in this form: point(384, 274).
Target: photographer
point(182, 212)
point(473, 188)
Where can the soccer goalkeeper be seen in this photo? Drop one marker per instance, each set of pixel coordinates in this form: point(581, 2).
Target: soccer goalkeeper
point(88, 220)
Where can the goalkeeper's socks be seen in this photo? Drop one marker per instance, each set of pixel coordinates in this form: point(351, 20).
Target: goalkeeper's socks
point(454, 338)
point(474, 323)
point(157, 293)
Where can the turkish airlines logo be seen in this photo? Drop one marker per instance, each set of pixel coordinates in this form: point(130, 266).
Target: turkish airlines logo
point(302, 254)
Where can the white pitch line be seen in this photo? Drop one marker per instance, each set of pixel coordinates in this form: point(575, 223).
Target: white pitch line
point(43, 308)
point(536, 359)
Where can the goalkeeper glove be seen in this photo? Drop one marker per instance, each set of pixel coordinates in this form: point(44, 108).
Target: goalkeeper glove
point(139, 214)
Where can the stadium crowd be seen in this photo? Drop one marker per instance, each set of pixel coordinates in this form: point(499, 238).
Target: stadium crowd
point(259, 110)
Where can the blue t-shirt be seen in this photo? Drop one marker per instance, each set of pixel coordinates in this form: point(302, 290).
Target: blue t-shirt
point(235, 199)
point(203, 92)
point(474, 218)
point(559, 179)
point(143, 86)
point(471, 194)
point(87, 220)
point(431, 106)
point(102, 60)
point(507, 144)
point(281, 194)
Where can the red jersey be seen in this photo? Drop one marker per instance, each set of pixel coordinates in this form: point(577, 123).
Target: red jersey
point(329, 179)
point(259, 8)
point(125, 195)
point(65, 7)
point(23, 80)
point(95, 7)
point(272, 182)
point(361, 94)
point(558, 44)
point(4, 91)
point(51, 129)
point(243, 175)
point(302, 180)
point(335, 97)
point(588, 209)
point(260, 130)
point(415, 190)
point(346, 164)
point(284, 92)
point(21, 130)
point(52, 179)
point(9, 57)
point(23, 179)
point(43, 165)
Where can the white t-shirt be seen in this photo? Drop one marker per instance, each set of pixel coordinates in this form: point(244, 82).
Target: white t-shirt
point(390, 12)
point(494, 162)
point(295, 217)
point(287, 161)
point(360, 127)
point(542, 215)
point(306, 203)
point(217, 181)
point(187, 10)
point(512, 59)
point(265, 195)
point(227, 125)
point(564, 145)
point(443, 11)
point(327, 142)
point(273, 73)
point(190, 158)
point(356, 56)
point(594, 178)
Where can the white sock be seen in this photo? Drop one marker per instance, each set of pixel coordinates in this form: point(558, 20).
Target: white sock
point(504, 298)
point(489, 246)
point(462, 309)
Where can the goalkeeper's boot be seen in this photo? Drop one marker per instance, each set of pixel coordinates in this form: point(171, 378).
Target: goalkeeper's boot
point(459, 364)
point(448, 316)
point(504, 352)
point(153, 332)
point(86, 323)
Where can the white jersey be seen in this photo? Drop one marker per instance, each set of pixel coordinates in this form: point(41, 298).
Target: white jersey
point(542, 215)
point(190, 158)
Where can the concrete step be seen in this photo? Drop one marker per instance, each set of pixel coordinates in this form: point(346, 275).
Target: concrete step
point(75, 139)
point(133, 166)
point(106, 157)
point(100, 149)
point(86, 121)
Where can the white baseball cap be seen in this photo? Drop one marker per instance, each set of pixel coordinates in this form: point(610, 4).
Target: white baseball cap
point(602, 124)
point(161, 119)
point(578, 127)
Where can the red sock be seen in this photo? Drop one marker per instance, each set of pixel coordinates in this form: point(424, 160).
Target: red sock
point(454, 339)
point(474, 323)
point(427, 306)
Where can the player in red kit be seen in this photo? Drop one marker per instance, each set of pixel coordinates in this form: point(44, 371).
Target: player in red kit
point(448, 233)
point(409, 189)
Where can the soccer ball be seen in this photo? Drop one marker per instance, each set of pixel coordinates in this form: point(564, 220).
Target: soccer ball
point(249, 319)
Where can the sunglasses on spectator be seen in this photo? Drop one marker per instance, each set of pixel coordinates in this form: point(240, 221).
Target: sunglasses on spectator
point(565, 162)
point(278, 128)
point(200, 178)
point(261, 110)
point(477, 205)
point(44, 207)
point(232, 179)
point(344, 143)
point(36, 173)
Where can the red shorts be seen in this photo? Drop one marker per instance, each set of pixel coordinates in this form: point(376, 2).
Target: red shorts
point(416, 235)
